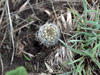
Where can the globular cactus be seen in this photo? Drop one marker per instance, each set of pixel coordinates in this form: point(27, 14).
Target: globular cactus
point(48, 34)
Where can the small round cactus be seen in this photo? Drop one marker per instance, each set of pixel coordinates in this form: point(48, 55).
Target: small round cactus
point(48, 34)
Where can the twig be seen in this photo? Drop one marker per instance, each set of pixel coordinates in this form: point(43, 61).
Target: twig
point(11, 28)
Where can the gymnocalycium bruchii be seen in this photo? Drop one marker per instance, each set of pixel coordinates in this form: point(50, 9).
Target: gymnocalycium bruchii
point(48, 34)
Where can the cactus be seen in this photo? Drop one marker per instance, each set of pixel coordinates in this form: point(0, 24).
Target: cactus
point(48, 34)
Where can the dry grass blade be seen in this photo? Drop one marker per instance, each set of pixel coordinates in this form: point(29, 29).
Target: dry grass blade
point(54, 9)
point(48, 12)
point(3, 38)
point(69, 19)
point(2, 16)
point(23, 26)
point(48, 67)
point(1, 2)
point(1, 64)
point(67, 1)
point(63, 21)
point(94, 2)
point(21, 48)
point(2, 12)
point(56, 60)
point(23, 6)
point(11, 30)
point(35, 5)
point(92, 14)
